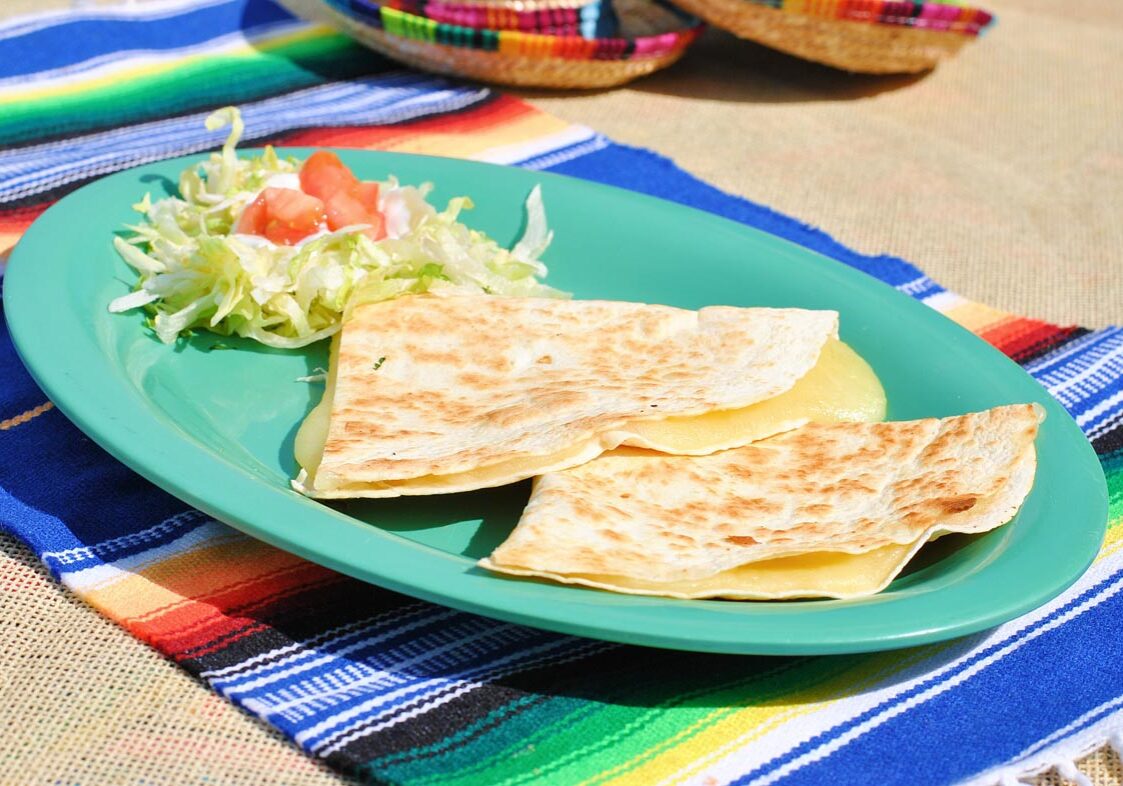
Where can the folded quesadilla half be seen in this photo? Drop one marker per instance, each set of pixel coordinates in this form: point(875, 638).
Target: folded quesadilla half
point(826, 510)
point(430, 394)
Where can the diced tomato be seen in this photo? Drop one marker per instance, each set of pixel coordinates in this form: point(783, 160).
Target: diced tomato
point(253, 218)
point(343, 209)
point(347, 200)
point(323, 174)
point(377, 229)
point(367, 193)
point(283, 215)
point(294, 208)
point(293, 215)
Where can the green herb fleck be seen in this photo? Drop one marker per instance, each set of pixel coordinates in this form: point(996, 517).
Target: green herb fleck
point(217, 346)
point(378, 364)
point(433, 270)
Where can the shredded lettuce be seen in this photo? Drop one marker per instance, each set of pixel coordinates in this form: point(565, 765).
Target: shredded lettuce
point(537, 236)
point(196, 272)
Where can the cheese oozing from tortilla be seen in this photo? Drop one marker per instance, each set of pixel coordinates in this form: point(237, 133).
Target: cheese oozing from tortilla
point(832, 574)
point(841, 386)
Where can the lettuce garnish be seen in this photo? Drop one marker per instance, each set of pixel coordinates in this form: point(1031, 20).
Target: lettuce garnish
point(196, 272)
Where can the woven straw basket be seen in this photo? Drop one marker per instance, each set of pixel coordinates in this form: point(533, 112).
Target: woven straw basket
point(652, 37)
point(893, 46)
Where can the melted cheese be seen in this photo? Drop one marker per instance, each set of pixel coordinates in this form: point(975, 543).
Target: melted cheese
point(840, 387)
point(820, 574)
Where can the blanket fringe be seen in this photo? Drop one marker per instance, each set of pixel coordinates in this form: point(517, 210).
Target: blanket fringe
point(1064, 760)
point(1069, 771)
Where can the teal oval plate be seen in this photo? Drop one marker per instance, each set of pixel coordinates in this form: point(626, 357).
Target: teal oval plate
point(216, 428)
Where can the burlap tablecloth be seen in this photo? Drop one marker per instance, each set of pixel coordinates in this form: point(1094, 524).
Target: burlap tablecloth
point(1001, 175)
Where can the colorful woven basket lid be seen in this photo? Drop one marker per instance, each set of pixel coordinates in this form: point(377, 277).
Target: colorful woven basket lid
point(592, 18)
point(610, 46)
point(867, 36)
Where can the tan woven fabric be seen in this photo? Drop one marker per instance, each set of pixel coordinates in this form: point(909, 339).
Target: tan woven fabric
point(1103, 768)
point(1001, 174)
point(85, 703)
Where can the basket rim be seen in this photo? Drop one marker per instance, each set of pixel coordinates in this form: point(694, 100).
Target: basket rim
point(936, 16)
point(562, 16)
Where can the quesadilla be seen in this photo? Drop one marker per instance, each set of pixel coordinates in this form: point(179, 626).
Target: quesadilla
point(826, 510)
point(430, 395)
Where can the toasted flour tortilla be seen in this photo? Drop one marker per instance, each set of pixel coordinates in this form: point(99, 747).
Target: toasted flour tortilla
point(826, 510)
point(439, 394)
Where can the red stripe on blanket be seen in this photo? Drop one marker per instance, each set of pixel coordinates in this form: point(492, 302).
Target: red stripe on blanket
point(1021, 337)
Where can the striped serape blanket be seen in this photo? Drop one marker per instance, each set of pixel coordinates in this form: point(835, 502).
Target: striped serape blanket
point(404, 692)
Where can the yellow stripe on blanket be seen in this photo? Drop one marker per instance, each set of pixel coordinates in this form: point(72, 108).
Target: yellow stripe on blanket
point(977, 317)
point(527, 129)
point(23, 417)
point(185, 578)
point(732, 728)
point(109, 76)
